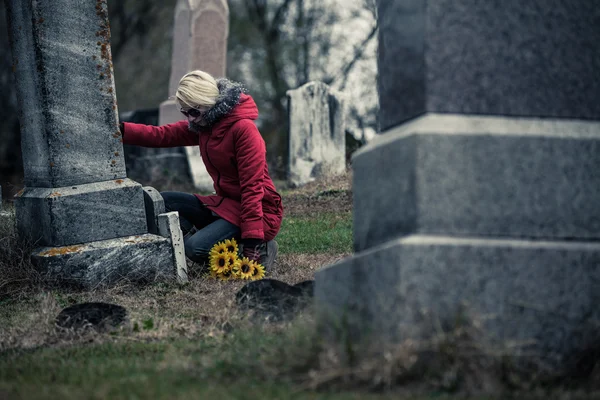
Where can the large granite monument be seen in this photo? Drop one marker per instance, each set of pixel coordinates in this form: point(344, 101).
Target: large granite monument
point(482, 195)
point(317, 141)
point(86, 219)
point(199, 42)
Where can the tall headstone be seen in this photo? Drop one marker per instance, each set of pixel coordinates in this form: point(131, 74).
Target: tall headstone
point(199, 42)
point(483, 188)
point(78, 207)
point(317, 141)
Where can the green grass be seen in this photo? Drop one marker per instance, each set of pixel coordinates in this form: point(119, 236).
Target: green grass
point(325, 233)
point(247, 364)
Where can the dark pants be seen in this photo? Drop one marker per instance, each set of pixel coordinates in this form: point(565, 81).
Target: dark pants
point(211, 228)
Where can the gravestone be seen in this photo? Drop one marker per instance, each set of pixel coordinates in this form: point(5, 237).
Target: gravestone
point(482, 195)
point(317, 141)
point(79, 209)
point(199, 42)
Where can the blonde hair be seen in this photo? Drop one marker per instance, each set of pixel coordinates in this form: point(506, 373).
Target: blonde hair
point(197, 89)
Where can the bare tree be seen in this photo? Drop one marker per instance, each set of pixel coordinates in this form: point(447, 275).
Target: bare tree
point(276, 45)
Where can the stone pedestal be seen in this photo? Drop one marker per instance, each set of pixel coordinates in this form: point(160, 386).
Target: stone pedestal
point(482, 195)
point(77, 206)
point(317, 138)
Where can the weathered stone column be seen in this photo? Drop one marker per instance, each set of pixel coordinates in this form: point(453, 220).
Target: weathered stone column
point(483, 188)
point(77, 204)
point(317, 138)
point(199, 42)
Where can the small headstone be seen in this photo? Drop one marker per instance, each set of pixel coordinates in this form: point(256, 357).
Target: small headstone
point(102, 317)
point(273, 300)
point(199, 42)
point(155, 205)
point(168, 226)
point(317, 141)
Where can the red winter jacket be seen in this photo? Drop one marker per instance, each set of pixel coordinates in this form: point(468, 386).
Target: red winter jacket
point(234, 153)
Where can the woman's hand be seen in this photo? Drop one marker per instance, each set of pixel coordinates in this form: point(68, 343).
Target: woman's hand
point(251, 249)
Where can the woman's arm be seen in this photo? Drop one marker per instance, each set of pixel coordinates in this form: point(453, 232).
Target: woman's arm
point(170, 135)
point(251, 161)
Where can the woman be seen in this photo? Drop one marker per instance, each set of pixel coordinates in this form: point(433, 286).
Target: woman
point(220, 119)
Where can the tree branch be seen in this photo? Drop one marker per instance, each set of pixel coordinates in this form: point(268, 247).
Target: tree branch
point(358, 53)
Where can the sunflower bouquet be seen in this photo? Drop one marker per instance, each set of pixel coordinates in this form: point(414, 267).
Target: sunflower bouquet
point(225, 263)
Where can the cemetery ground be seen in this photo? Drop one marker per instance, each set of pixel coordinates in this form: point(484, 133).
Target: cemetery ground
point(191, 341)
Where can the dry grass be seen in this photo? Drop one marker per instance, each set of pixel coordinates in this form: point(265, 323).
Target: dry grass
point(204, 306)
point(333, 194)
point(461, 362)
point(18, 278)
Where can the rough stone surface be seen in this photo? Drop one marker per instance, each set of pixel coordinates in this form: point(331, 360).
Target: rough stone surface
point(169, 227)
point(102, 317)
point(140, 258)
point(547, 292)
point(199, 42)
point(83, 213)
point(66, 94)
point(273, 300)
point(155, 205)
point(317, 141)
point(537, 58)
point(479, 176)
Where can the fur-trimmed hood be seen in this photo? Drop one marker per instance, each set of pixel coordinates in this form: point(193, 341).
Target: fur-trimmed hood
point(231, 94)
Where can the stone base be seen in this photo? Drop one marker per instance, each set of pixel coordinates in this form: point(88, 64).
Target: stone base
point(80, 214)
point(169, 113)
point(479, 176)
point(142, 258)
point(543, 293)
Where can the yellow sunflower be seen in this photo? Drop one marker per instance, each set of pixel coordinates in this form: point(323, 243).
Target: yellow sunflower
point(218, 248)
point(258, 273)
point(236, 268)
point(231, 246)
point(246, 268)
point(220, 262)
point(226, 275)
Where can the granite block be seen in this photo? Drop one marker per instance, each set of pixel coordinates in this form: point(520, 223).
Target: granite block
point(80, 214)
point(543, 295)
point(479, 176)
point(65, 92)
point(154, 205)
point(141, 258)
point(535, 59)
point(168, 226)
